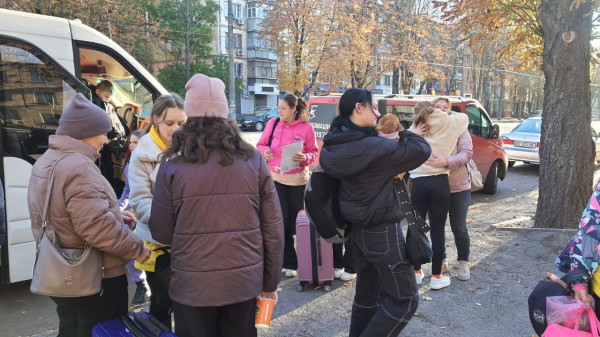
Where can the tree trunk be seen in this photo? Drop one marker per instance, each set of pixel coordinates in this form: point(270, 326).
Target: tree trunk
point(395, 79)
point(566, 155)
point(502, 97)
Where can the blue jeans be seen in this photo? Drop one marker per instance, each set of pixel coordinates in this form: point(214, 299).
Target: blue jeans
point(386, 291)
point(459, 207)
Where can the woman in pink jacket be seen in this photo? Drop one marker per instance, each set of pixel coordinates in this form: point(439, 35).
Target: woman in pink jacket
point(460, 191)
point(292, 126)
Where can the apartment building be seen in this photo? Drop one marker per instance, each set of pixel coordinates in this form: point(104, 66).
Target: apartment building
point(255, 62)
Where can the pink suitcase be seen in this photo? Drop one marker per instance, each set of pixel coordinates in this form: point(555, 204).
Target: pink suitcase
point(315, 256)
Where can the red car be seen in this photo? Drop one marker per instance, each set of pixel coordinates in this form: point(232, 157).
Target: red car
point(488, 150)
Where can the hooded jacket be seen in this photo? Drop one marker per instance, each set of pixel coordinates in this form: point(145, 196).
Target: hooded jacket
point(225, 227)
point(366, 165)
point(443, 134)
point(83, 206)
point(459, 178)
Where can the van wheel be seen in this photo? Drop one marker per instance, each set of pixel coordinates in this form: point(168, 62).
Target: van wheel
point(491, 182)
point(511, 163)
point(259, 126)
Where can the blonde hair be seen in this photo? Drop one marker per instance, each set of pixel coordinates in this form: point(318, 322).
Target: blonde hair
point(445, 99)
point(422, 111)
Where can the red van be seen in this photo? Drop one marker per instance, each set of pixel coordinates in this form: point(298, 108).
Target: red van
point(488, 150)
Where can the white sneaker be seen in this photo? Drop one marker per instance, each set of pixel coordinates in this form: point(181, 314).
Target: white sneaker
point(347, 276)
point(419, 277)
point(442, 282)
point(290, 273)
point(337, 272)
point(463, 271)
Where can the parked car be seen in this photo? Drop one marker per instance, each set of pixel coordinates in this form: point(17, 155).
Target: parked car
point(523, 142)
point(488, 152)
point(258, 120)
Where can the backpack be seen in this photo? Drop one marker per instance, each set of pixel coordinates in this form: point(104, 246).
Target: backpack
point(537, 300)
point(322, 206)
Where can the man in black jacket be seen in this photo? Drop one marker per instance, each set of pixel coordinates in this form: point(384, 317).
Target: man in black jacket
point(117, 143)
point(386, 291)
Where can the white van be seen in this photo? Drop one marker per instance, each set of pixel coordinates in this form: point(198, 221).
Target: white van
point(44, 61)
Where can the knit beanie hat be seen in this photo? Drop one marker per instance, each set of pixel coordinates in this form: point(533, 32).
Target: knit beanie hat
point(82, 119)
point(205, 97)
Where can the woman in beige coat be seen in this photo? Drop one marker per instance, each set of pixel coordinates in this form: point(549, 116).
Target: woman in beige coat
point(84, 209)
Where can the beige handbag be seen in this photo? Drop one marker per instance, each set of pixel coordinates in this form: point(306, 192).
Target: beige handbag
point(61, 272)
point(475, 176)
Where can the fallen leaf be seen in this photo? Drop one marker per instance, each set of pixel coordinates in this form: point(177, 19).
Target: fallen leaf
point(477, 303)
point(498, 285)
point(427, 298)
point(442, 327)
point(23, 312)
point(470, 221)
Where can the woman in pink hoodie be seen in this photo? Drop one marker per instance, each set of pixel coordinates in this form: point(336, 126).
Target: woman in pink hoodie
point(292, 126)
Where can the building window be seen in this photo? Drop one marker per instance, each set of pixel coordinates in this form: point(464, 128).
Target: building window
point(378, 81)
point(251, 12)
point(388, 80)
point(36, 76)
point(237, 11)
point(239, 70)
point(237, 40)
point(5, 96)
point(45, 97)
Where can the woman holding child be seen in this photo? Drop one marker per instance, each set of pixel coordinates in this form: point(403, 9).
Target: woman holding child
point(386, 293)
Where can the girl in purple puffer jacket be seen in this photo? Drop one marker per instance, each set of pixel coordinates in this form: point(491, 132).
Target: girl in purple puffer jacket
point(291, 126)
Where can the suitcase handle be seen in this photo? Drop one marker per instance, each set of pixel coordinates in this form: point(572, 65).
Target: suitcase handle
point(130, 325)
point(153, 325)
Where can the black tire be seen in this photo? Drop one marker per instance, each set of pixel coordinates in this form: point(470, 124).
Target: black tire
point(259, 126)
point(491, 181)
point(327, 288)
point(300, 288)
point(511, 163)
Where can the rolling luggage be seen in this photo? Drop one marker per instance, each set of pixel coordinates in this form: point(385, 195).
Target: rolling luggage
point(315, 256)
point(137, 324)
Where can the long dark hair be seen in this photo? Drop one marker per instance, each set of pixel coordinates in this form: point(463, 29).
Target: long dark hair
point(347, 105)
point(299, 103)
point(201, 135)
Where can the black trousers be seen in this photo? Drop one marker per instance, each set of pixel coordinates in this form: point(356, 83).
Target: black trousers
point(291, 199)
point(234, 320)
point(78, 315)
point(159, 281)
point(431, 197)
point(344, 259)
point(386, 289)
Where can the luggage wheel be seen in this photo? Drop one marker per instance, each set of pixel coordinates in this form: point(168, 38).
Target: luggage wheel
point(327, 288)
point(300, 287)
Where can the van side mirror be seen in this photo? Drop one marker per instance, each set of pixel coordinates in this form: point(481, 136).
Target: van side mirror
point(495, 131)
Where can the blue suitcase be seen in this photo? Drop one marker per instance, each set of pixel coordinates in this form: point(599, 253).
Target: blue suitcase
point(137, 324)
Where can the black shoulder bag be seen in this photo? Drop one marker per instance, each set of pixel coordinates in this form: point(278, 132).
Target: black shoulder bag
point(273, 131)
point(417, 244)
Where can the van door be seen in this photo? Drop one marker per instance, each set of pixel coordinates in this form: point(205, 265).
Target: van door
point(480, 128)
point(34, 89)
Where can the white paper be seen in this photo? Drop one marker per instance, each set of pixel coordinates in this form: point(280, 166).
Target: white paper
point(287, 153)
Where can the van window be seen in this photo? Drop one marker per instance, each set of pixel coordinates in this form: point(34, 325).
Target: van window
point(32, 97)
point(479, 124)
point(321, 116)
point(129, 96)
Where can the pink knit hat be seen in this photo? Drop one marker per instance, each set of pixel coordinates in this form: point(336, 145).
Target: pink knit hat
point(205, 97)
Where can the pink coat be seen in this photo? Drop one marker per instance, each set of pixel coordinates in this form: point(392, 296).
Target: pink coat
point(287, 134)
point(459, 176)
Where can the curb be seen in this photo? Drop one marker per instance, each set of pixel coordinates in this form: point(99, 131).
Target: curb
point(501, 225)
